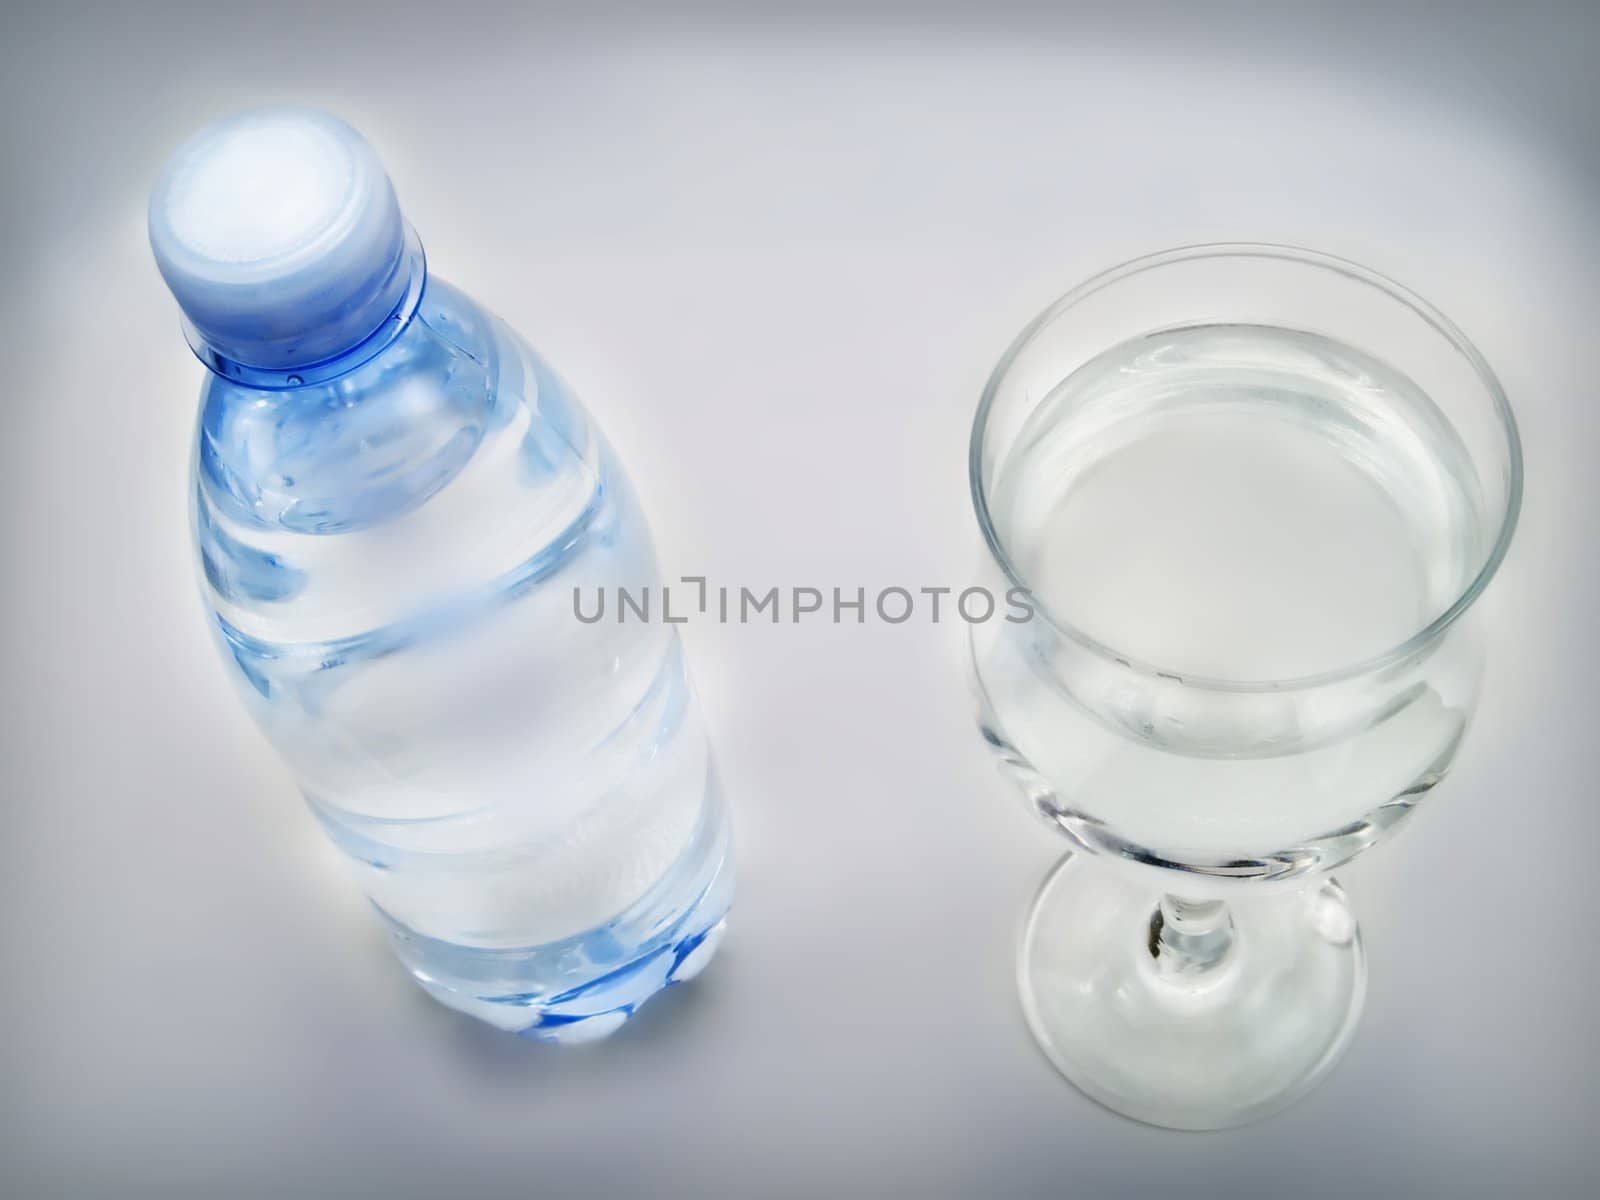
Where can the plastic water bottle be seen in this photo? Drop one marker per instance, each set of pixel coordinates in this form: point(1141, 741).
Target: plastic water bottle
point(394, 500)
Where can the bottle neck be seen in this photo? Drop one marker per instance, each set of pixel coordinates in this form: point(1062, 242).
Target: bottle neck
point(412, 269)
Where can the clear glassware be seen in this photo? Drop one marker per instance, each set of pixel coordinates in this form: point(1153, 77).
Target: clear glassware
point(395, 499)
point(1253, 492)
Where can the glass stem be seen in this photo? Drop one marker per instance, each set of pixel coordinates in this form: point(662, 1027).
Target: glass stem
point(1190, 937)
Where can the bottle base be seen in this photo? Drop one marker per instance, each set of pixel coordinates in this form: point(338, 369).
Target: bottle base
point(582, 988)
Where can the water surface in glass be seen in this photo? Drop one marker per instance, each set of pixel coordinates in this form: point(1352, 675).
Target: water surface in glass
point(1245, 504)
point(1241, 502)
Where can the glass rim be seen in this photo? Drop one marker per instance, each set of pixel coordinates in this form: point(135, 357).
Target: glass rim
point(1442, 324)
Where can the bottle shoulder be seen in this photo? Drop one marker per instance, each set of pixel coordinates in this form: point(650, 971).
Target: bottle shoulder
point(365, 446)
point(455, 460)
point(362, 447)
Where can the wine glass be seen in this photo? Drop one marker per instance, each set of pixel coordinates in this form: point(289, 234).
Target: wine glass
point(1252, 493)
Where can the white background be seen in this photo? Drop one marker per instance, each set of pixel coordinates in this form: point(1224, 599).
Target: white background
point(777, 254)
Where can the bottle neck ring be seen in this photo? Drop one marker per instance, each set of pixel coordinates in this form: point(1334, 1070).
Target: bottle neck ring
point(412, 266)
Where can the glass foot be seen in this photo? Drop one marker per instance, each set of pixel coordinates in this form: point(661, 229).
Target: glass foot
point(1189, 1015)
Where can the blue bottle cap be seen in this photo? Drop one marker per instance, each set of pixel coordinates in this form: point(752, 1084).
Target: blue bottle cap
point(278, 231)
